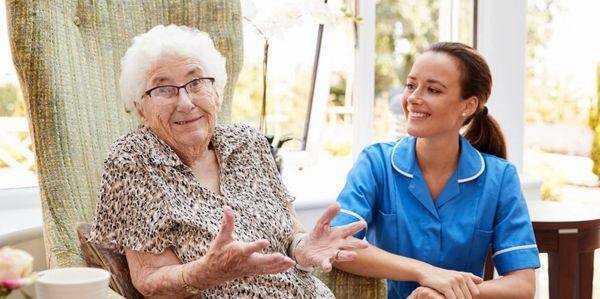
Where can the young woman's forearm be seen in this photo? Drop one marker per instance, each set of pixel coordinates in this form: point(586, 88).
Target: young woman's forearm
point(375, 262)
point(378, 263)
point(517, 284)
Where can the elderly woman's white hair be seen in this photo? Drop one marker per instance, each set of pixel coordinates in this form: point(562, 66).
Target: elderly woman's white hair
point(172, 40)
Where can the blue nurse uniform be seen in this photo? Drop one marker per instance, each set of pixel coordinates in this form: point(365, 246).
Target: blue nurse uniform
point(480, 206)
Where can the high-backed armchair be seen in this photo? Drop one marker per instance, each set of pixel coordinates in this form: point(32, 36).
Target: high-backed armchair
point(67, 54)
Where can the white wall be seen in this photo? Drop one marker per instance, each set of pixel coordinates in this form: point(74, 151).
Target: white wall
point(501, 38)
point(363, 94)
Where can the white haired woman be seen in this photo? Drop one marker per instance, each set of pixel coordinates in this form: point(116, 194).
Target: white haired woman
point(197, 207)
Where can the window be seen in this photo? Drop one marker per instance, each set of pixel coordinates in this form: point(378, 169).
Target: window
point(562, 86)
point(405, 28)
point(291, 62)
point(17, 165)
point(561, 98)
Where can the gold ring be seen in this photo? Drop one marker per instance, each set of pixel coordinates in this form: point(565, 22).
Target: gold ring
point(337, 254)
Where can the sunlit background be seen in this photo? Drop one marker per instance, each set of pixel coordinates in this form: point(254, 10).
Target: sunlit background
point(561, 87)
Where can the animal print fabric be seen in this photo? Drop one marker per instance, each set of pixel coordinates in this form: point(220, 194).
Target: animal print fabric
point(149, 200)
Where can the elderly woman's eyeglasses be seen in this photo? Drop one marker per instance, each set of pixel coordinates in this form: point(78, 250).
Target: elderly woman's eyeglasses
point(197, 86)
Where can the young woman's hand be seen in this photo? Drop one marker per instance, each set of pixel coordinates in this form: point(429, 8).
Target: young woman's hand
point(451, 284)
point(325, 244)
point(425, 293)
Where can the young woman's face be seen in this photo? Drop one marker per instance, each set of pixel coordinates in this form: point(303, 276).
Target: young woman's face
point(432, 101)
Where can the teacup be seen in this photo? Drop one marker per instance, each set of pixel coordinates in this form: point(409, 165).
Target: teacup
point(72, 283)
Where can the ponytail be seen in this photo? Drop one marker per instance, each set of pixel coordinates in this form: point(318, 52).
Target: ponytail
point(483, 131)
point(484, 134)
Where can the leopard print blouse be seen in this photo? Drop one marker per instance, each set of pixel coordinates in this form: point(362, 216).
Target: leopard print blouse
point(149, 200)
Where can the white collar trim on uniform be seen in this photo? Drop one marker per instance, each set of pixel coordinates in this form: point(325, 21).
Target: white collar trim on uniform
point(394, 164)
point(466, 161)
point(478, 173)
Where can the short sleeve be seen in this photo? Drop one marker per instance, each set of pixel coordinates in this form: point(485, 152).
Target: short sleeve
point(360, 192)
point(513, 240)
point(130, 212)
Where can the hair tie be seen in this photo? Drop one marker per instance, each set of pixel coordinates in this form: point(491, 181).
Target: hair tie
point(484, 111)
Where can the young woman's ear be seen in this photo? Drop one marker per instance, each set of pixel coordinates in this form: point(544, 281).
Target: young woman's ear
point(470, 106)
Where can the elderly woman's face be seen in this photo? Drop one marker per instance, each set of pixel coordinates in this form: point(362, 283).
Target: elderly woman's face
point(187, 120)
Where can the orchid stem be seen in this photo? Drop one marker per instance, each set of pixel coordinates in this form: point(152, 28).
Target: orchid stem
point(263, 110)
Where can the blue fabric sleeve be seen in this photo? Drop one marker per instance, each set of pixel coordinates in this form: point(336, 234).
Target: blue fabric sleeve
point(360, 192)
point(513, 240)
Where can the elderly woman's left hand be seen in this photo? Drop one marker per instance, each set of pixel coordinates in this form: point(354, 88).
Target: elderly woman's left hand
point(325, 244)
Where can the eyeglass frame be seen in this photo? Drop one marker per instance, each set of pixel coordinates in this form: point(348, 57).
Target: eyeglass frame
point(147, 93)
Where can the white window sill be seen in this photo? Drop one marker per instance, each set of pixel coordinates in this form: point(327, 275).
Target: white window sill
point(20, 225)
point(20, 215)
point(318, 185)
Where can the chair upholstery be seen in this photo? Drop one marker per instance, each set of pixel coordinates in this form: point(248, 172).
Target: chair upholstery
point(67, 55)
point(349, 286)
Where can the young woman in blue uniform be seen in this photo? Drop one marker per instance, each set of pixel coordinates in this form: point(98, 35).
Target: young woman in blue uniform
point(435, 201)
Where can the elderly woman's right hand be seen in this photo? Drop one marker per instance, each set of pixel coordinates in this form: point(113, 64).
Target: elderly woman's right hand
point(228, 259)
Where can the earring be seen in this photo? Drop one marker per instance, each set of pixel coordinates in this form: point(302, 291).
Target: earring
point(464, 114)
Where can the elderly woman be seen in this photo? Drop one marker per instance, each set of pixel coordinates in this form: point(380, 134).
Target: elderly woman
point(196, 207)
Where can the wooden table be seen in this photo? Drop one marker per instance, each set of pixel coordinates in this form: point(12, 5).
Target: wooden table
point(569, 233)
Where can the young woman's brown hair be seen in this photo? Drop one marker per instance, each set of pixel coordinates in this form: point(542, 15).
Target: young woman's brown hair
point(483, 131)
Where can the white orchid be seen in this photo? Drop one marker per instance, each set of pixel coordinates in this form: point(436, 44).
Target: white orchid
point(321, 13)
point(274, 18)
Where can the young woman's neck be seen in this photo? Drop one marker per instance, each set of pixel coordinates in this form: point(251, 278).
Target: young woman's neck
point(439, 153)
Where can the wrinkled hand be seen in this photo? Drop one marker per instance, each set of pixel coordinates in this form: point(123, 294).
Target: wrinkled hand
point(451, 284)
point(228, 259)
point(425, 293)
point(325, 244)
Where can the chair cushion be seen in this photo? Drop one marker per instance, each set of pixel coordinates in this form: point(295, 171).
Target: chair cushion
point(116, 263)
